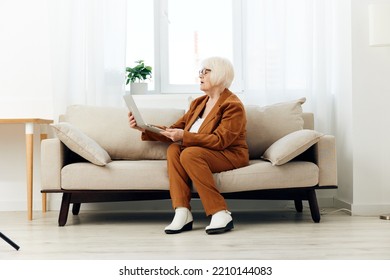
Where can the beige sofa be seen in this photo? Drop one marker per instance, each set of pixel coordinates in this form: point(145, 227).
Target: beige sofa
point(96, 157)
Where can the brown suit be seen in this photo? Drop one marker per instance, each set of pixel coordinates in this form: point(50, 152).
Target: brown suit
point(219, 145)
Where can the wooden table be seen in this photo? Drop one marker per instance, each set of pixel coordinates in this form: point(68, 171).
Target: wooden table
point(29, 129)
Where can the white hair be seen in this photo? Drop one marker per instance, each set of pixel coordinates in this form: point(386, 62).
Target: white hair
point(222, 71)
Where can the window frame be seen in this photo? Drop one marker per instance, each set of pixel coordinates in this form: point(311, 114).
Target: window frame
point(161, 51)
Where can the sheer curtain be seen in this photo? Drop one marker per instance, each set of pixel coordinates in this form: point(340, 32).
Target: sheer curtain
point(297, 48)
point(292, 48)
point(88, 49)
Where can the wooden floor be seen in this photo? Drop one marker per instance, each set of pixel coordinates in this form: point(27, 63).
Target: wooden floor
point(265, 235)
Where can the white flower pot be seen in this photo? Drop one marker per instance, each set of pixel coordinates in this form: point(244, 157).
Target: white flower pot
point(138, 88)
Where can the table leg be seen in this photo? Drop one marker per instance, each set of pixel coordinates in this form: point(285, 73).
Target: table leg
point(44, 202)
point(29, 161)
point(44, 196)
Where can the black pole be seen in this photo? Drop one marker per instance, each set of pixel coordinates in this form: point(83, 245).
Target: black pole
point(9, 241)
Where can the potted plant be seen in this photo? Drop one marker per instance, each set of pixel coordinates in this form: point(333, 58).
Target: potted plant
point(137, 76)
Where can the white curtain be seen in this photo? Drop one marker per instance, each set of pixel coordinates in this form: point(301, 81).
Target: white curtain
point(88, 50)
point(292, 48)
point(298, 48)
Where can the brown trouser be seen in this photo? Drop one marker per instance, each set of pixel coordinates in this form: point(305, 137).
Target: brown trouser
point(196, 164)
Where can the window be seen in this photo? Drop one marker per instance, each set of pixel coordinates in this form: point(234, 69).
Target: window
point(173, 36)
point(140, 34)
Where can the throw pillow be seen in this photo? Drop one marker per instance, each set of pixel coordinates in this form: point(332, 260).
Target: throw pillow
point(291, 145)
point(266, 125)
point(110, 126)
point(81, 144)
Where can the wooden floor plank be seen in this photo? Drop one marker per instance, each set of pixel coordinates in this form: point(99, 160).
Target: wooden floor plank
point(263, 235)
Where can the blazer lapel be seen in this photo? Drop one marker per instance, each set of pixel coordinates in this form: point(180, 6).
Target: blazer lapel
point(213, 113)
point(196, 114)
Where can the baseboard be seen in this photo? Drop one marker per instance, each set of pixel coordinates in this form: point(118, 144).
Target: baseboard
point(370, 210)
point(325, 202)
point(341, 204)
point(363, 209)
point(16, 205)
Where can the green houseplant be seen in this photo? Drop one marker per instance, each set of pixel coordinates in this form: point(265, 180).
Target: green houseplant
point(137, 76)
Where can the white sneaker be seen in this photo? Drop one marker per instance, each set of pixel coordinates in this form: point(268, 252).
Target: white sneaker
point(221, 222)
point(181, 222)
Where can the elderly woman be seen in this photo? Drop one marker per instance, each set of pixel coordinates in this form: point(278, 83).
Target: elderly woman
point(209, 138)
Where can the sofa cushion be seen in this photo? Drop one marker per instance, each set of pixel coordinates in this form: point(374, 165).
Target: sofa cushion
point(258, 175)
point(262, 175)
point(266, 125)
point(81, 144)
point(109, 127)
point(118, 175)
point(291, 145)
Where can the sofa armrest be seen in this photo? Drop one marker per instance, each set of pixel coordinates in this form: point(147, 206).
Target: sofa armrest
point(52, 161)
point(326, 159)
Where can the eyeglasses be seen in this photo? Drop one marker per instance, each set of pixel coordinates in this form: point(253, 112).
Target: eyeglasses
point(204, 71)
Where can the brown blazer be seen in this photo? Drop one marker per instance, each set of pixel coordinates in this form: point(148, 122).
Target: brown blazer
point(224, 128)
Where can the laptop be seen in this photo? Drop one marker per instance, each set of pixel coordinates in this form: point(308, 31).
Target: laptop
point(137, 115)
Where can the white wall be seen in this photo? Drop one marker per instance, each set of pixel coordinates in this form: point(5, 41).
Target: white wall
point(25, 91)
point(361, 110)
point(24, 59)
point(371, 118)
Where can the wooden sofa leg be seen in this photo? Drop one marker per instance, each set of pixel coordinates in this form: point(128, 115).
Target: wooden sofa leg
point(63, 217)
point(76, 208)
point(298, 205)
point(313, 204)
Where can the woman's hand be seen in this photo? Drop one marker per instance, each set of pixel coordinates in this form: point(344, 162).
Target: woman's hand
point(174, 134)
point(133, 123)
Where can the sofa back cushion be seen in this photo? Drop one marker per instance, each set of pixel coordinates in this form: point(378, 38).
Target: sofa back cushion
point(267, 124)
point(109, 127)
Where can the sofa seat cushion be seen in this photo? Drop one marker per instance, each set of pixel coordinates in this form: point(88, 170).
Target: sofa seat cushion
point(131, 175)
point(261, 175)
point(116, 175)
